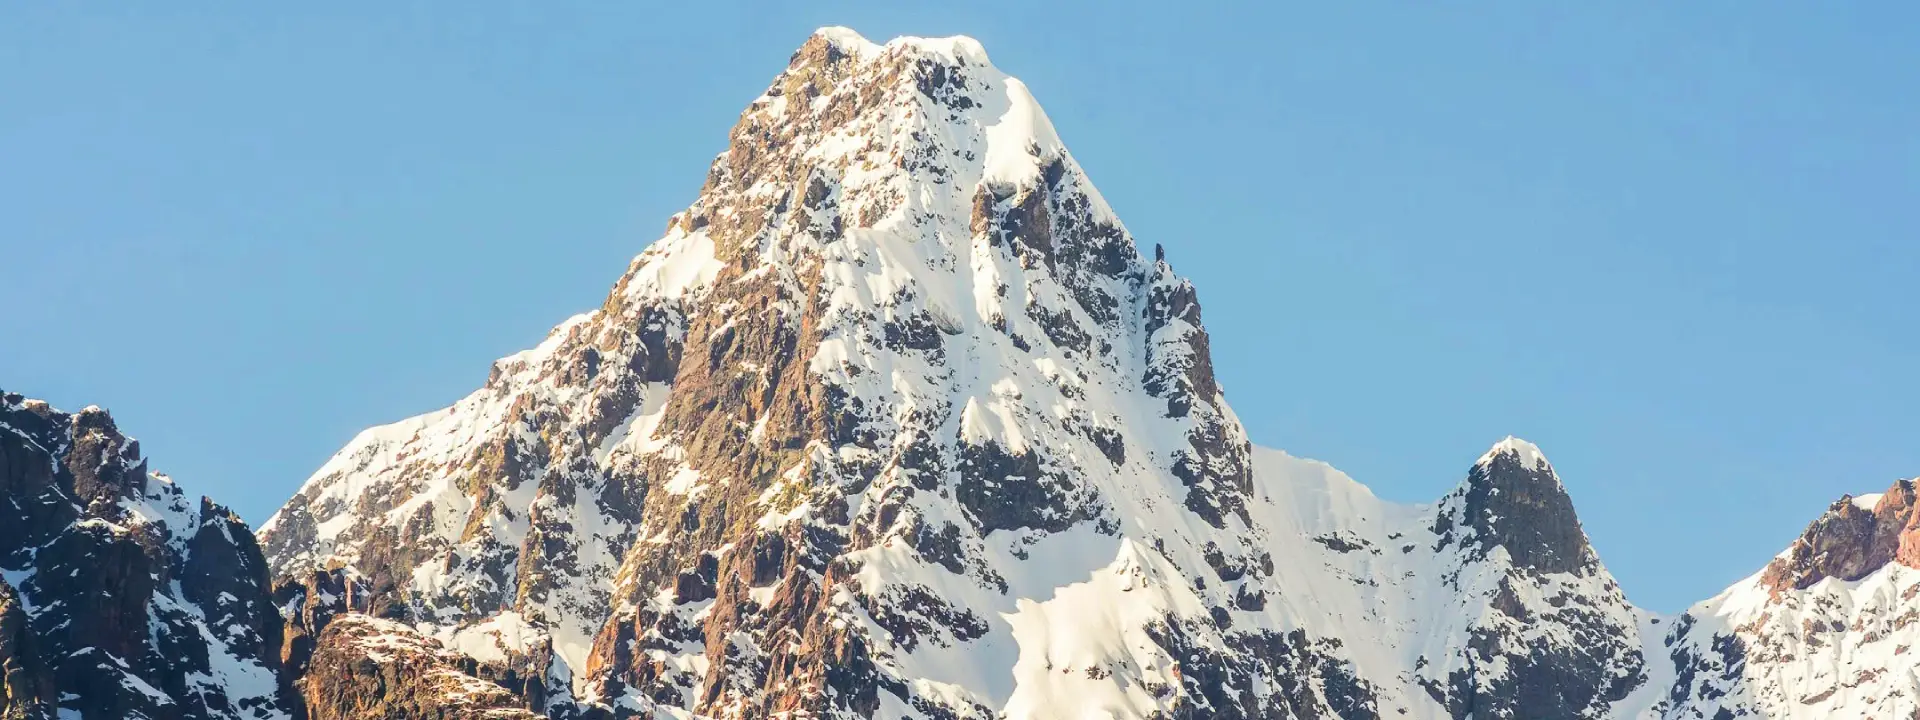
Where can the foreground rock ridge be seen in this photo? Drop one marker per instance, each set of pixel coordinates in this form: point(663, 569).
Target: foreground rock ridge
point(895, 421)
point(120, 598)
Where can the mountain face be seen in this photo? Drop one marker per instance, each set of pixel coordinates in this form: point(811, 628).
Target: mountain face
point(895, 421)
point(119, 598)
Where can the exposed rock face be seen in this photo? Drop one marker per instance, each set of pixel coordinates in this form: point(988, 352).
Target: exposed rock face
point(307, 603)
point(366, 667)
point(1553, 636)
point(1513, 501)
point(1828, 629)
point(118, 597)
point(26, 681)
point(1855, 537)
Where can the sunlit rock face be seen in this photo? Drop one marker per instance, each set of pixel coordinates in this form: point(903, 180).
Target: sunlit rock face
point(1826, 630)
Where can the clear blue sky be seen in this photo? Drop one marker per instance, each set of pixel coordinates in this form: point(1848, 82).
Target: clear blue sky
point(1673, 243)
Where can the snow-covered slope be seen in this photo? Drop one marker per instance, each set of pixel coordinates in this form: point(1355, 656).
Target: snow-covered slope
point(897, 419)
point(1827, 630)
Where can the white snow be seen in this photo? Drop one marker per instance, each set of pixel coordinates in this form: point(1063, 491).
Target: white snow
point(1085, 652)
point(1837, 649)
point(494, 639)
point(1529, 454)
point(674, 265)
point(848, 39)
point(1018, 136)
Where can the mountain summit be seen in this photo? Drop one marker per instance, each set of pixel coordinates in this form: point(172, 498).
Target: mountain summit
point(896, 420)
point(899, 329)
point(1513, 500)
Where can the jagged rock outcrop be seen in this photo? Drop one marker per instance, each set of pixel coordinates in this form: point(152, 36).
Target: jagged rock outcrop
point(1828, 629)
point(1551, 634)
point(307, 603)
point(1855, 537)
point(118, 597)
point(362, 671)
point(367, 667)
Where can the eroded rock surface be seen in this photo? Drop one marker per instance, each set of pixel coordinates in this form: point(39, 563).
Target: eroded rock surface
point(366, 667)
point(119, 597)
point(1855, 537)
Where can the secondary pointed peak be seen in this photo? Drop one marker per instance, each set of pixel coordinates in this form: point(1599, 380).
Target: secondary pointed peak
point(1528, 454)
point(1512, 498)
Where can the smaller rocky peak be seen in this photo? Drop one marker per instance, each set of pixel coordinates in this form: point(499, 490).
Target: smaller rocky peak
point(104, 463)
point(107, 558)
point(1857, 535)
point(63, 467)
point(1513, 499)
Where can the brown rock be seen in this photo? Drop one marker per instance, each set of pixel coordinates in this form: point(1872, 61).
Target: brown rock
point(1849, 542)
point(366, 667)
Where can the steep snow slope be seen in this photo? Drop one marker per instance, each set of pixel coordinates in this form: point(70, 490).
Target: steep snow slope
point(896, 420)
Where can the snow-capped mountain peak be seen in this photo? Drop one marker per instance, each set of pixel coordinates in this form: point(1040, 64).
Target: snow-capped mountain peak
point(1512, 499)
point(891, 407)
point(896, 420)
point(1528, 454)
point(896, 282)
